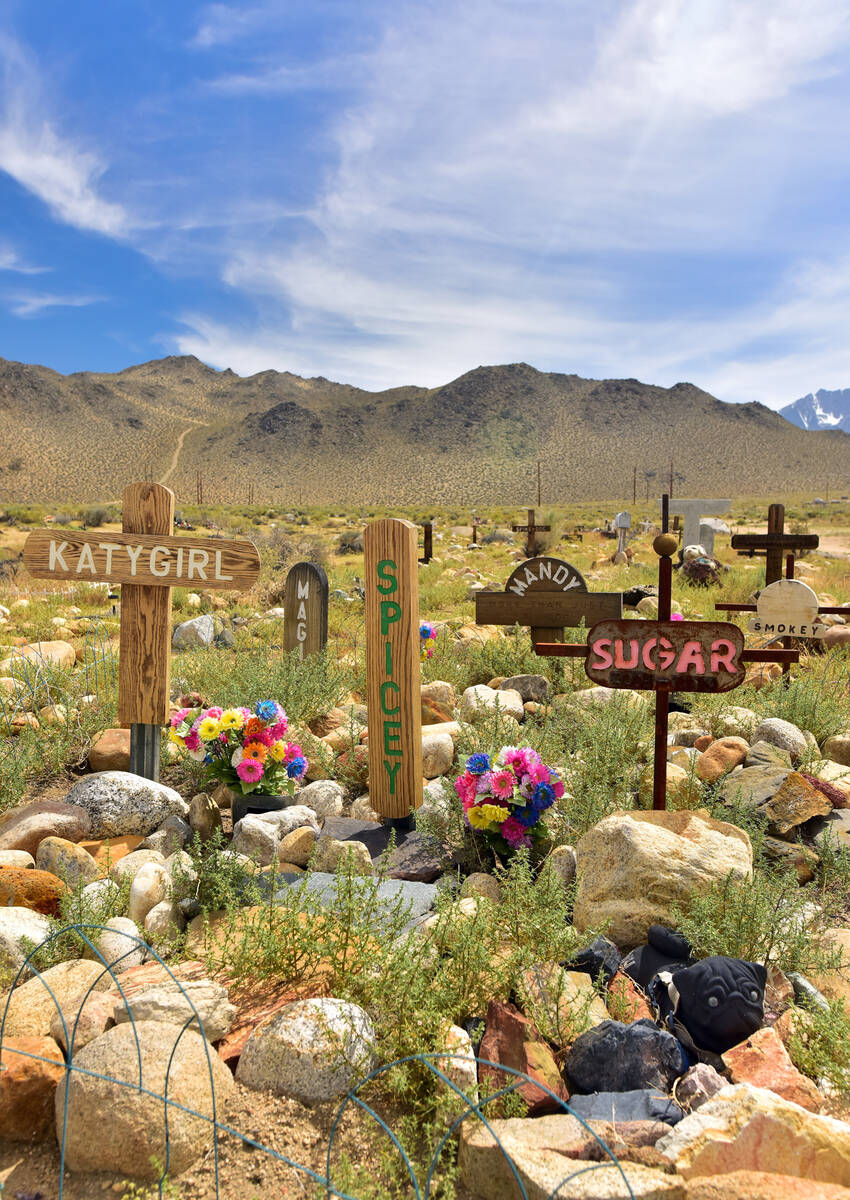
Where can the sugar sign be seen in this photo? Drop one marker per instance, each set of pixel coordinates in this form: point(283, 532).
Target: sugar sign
point(685, 656)
point(392, 668)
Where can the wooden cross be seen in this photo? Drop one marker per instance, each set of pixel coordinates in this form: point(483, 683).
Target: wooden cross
point(665, 656)
point(428, 542)
point(530, 528)
point(476, 521)
point(546, 594)
point(148, 561)
point(774, 543)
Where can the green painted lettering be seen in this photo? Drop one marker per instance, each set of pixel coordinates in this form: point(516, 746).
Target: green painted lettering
point(389, 657)
point(385, 687)
point(386, 576)
point(391, 769)
point(392, 732)
point(390, 612)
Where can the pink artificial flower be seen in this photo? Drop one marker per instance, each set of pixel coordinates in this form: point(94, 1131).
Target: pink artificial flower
point(246, 713)
point(249, 770)
point(278, 731)
point(483, 782)
point(179, 717)
point(293, 751)
point(465, 786)
point(468, 802)
point(192, 741)
point(503, 784)
point(676, 617)
point(539, 773)
point(215, 712)
point(558, 789)
point(262, 736)
point(514, 833)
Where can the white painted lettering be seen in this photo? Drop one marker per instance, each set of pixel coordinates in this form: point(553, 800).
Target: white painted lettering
point(303, 589)
point(179, 569)
point(198, 560)
point(166, 566)
point(301, 615)
point(57, 562)
point(133, 553)
point(301, 631)
point(218, 571)
point(110, 548)
point(86, 560)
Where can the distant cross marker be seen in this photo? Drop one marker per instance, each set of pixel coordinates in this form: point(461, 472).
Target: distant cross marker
point(530, 529)
point(692, 511)
point(774, 544)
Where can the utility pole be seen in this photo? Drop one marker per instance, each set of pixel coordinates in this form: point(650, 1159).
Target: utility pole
point(634, 486)
point(539, 503)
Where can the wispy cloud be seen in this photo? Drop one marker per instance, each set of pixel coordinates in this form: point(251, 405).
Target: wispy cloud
point(63, 174)
point(33, 304)
point(10, 260)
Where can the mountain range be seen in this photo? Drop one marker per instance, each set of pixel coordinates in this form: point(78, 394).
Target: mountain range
point(820, 410)
point(475, 440)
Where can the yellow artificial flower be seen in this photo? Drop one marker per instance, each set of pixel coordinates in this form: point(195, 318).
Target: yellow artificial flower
point(209, 729)
point(231, 718)
point(477, 817)
point(174, 737)
point(494, 812)
point(277, 751)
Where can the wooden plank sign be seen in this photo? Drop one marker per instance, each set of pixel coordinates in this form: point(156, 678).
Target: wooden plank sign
point(546, 594)
point(787, 608)
point(684, 656)
point(148, 559)
point(305, 623)
point(392, 668)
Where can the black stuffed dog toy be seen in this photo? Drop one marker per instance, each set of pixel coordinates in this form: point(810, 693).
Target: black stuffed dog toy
point(709, 1005)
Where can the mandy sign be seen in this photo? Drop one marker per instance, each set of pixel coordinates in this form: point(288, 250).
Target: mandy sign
point(145, 559)
point(682, 656)
point(392, 667)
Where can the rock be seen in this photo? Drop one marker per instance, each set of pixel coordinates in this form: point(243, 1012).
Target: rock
point(120, 944)
point(838, 635)
point(479, 700)
point(33, 1005)
point(834, 828)
point(640, 1104)
point(178, 1002)
point(106, 852)
point(19, 926)
point(837, 749)
point(312, 1050)
point(762, 1185)
point(434, 713)
point(698, 1084)
point(441, 693)
point(763, 754)
point(297, 846)
point(129, 866)
point(753, 786)
point(84, 1018)
point(803, 860)
point(204, 816)
point(16, 858)
point(438, 751)
point(165, 920)
point(683, 791)
point(119, 803)
point(36, 654)
point(540, 1153)
point(834, 983)
point(744, 1128)
point(24, 828)
point(625, 1000)
point(763, 1061)
point(699, 739)
point(324, 797)
point(634, 866)
point(561, 1004)
point(197, 634)
point(462, 1071)
point(332, 853)
point(591, 697)
point(736, 721)
point(294, 816)
point(782, 734)
point(173, 834)
point(481, 884)
point(110, 750)
point(721, 757)
point(135, 1120)
point(562, 861)
point(795, 802)
point(53, 714)
point(601, 957)
point(256, 839)
point(69, 861)
point(614, 1057)
point(149, 887)
point(21, 721)
point(30, 888)
point(837, 793)
point(335, 718)
point(362, 809)
point(27, 1087)
point(512, 1040)
point(530, 687)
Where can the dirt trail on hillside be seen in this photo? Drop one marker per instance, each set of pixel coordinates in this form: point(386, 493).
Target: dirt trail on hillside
point(175, 458)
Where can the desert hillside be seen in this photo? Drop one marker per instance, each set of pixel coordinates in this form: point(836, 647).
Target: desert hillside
point(474, 440)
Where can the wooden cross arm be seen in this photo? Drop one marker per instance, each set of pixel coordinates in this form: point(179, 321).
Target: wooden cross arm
point(825, 611)
point(579, 650)
point(775, 541)
point(547, 610)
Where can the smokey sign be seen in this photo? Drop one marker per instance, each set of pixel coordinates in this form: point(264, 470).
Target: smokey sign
point(787, 608)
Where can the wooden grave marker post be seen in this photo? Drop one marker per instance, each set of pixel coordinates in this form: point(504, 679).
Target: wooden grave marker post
point(427, 542)
point(305, 610)
point(476, 521)
point(148, 561)
point(693, 511)
point(774, 544)
point(392, 669)
point(530, 529)
point(546, 594)
point(665, 656)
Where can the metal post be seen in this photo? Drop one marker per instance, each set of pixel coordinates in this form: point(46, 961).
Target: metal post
point(662, 694)
point(144, 751)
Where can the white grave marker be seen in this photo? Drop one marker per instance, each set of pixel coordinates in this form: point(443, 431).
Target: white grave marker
point(787, 608)
point(693, 511)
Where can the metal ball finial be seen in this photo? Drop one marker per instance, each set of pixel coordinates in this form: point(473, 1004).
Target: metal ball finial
point(665, 544)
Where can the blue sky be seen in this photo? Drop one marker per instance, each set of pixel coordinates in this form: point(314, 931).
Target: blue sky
point(396, 192)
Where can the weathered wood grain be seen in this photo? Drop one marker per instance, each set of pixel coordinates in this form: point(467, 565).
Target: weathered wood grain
point(392, 667)
point(547, 610)
point(305, 622)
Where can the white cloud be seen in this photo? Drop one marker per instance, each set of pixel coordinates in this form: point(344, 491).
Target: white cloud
point(10, 260)
point(32, 304)
point(62, 174)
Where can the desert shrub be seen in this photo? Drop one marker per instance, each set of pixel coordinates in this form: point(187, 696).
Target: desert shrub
point(350, 542)
point(96, 516)
point(819, 1044)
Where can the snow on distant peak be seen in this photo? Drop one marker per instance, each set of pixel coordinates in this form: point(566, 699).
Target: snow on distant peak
point(821, 409)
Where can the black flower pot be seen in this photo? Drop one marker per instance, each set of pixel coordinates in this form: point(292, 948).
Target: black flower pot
point(257, 802)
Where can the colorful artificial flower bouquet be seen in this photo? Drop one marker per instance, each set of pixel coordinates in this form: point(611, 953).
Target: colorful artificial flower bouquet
point(246, 750)
point(427, 633)
point(506, 799)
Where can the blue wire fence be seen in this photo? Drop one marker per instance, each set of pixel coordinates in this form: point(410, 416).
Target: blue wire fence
point(471, 1108)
